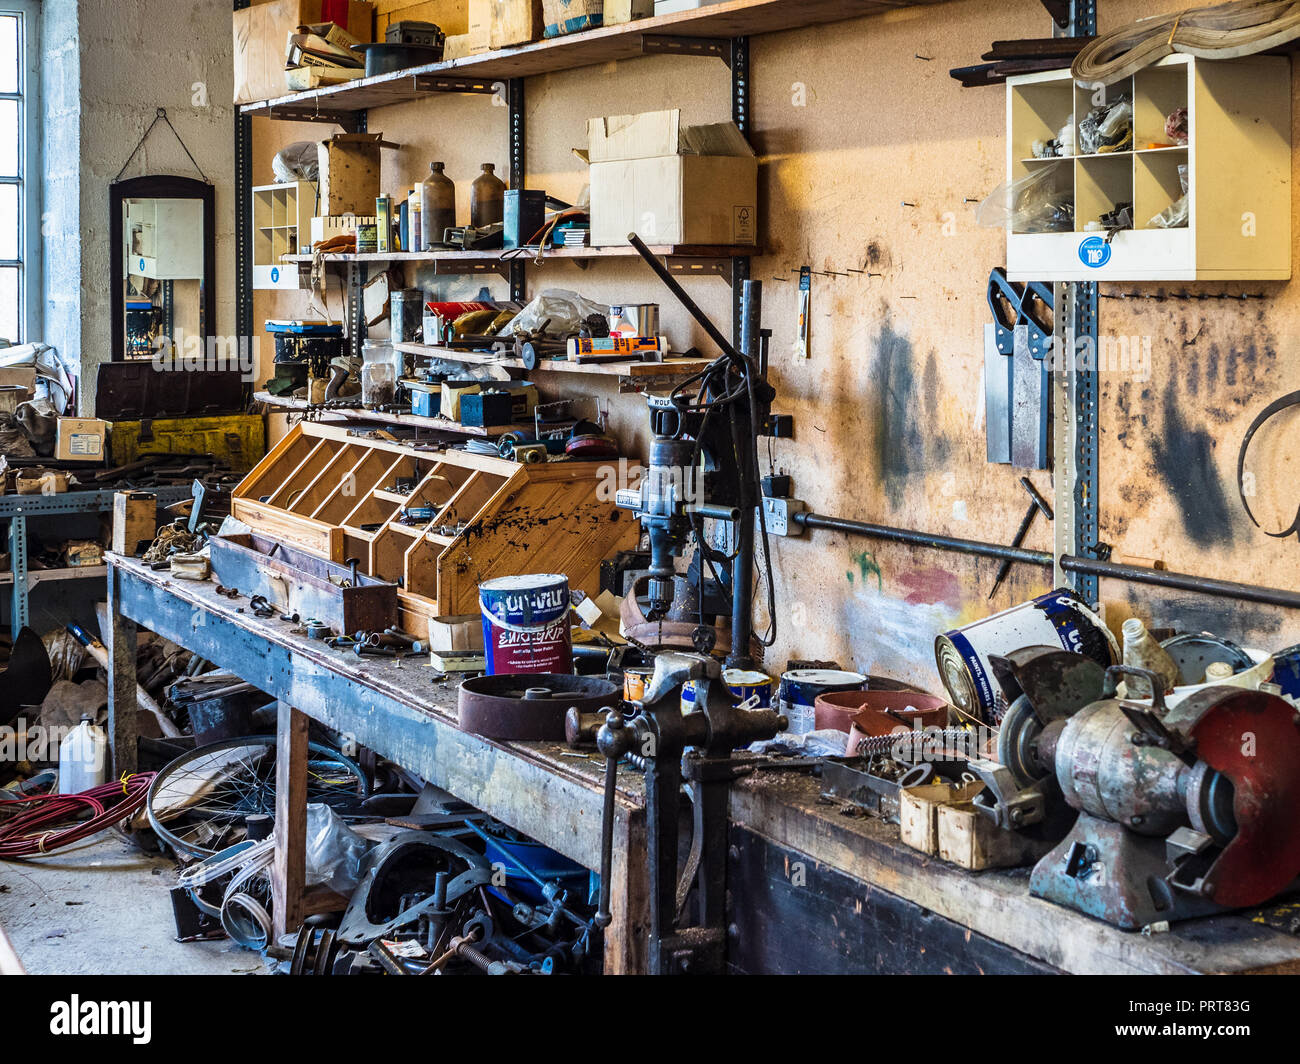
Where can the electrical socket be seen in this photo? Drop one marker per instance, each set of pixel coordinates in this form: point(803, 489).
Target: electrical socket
point(779, 515)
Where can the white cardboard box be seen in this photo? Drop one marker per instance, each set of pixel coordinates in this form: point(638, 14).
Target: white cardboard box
point(669, 183)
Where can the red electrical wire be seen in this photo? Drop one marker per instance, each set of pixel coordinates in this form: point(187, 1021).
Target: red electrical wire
point(51, 821)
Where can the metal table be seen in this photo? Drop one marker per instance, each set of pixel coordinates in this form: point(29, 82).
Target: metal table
point(18, 509)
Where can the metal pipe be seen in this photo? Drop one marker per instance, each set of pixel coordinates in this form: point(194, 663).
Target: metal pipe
point(1140, 574)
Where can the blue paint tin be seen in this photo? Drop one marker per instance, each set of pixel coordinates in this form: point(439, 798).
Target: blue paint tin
point(1286, 671)
point(800, 688)
point(743, 684)
point(1059, 618)
point(526, 624)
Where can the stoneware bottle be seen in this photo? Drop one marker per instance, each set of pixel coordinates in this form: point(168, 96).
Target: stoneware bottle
point(1142, 651)
point(487, 198)
point(437, 205)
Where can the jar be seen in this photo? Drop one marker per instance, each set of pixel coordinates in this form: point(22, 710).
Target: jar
point(487, 198)
point(437, 206)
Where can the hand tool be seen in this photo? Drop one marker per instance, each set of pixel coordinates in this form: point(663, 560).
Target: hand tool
point(1037, 503)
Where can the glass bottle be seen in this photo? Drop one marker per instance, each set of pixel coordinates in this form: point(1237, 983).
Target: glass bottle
point(437, 205)
point(487, 198)
point(1142, 651)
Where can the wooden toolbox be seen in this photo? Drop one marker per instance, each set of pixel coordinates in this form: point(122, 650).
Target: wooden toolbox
point(331, 493)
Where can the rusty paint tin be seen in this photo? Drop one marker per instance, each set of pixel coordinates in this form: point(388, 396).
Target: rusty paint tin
point(526, 624)
point(742, 683)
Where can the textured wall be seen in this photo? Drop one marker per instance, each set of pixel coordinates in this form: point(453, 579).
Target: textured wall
point(853, 121)
point(109, 67)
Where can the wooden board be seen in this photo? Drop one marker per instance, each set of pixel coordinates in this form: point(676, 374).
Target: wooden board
point(670, 367)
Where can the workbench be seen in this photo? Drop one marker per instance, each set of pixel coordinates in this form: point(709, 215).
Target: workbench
point(811, 888)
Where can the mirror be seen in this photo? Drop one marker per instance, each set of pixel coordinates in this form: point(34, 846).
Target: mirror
point(164, 267)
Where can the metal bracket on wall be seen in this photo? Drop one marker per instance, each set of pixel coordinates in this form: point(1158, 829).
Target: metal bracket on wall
point(515, 108)
point(243, 220)
point(702, 267)
point(740, 114)
point(661, 44)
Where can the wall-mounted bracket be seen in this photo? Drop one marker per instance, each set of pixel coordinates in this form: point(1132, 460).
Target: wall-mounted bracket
point(689, 267)
point(661, 44)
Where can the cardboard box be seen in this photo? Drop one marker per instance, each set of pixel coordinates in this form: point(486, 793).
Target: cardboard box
point(918, 812)
point(619, 11)
point(20, 376)
point(669, 183)
point(456, 632)
point(81, 439)
point(349, 173)
point(263, 30)
point(450, 16)
point(478, 32)
point(570, 16)
point(513, 22)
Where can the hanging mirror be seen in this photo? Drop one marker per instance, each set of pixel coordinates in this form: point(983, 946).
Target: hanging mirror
point(164, 267)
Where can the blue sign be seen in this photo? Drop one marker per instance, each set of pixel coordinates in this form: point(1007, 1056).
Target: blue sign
point(1094, 252)
point(275, 274)
point(142, 265)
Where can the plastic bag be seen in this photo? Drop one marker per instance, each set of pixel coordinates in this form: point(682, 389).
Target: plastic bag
point(563, 309)
point(1108, 128)
point(1176, 214)
point(299, 161)
point(1043, 202)
point(334, 851)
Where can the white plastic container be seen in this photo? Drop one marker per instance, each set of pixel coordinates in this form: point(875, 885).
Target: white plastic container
point(83, 758)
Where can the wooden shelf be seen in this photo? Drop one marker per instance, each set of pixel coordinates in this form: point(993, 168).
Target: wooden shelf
point(360, 413)
point(673, 367)
point(529, 255)
point(41, 576)
point(704, 31)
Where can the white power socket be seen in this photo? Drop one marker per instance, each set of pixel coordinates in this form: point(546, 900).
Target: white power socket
point(779, 515)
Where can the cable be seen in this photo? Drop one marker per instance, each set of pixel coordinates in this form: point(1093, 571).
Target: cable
point(34, 829)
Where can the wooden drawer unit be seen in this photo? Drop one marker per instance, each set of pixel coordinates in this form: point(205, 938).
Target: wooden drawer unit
point(331, 494)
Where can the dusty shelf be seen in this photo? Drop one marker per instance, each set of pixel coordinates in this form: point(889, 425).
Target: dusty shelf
point(672, 367)
point(704, 31)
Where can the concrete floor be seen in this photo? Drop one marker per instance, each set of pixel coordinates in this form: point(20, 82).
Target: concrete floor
point(102, 908)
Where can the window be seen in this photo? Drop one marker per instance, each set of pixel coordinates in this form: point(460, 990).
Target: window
point(20, 185)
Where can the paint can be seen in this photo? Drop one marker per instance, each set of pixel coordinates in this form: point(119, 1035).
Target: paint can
point(1059, 618)
point(742, 683)
point(636, 678)
point(1286, 673)
point(526, 624)
point(799, 691)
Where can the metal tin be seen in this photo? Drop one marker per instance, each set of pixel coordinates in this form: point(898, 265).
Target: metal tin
point(800, 688)
point(743, 684)
point(635, 681)
point(526, 624)
point(405, 315)
point(1286, 672)
point(1059, 618)
point(367, 239)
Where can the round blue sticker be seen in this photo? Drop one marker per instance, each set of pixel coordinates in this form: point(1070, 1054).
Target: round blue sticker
point(275, 274)
point(142, 265)
point(1094, 252)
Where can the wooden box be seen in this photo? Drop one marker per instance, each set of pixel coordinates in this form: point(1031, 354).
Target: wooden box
point(1237, 162)
point(918, 812)
point(135, 520)
point(514, 22)
point(261, 33)
point(969, 838)
point(331, 494)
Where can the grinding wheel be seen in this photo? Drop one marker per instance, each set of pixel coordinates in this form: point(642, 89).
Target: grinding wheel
point(530, 706)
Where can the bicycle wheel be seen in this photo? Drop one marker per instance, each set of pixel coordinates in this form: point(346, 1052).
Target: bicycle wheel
point(198, 803)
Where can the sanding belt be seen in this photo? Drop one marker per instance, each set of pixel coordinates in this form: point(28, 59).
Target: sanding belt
point(1274, 408)
point(1223, 31)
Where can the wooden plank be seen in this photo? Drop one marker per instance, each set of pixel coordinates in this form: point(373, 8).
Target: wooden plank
point(785, 809)
point(123, 709)
point(497, 258)
point(289, 869)
point(735, 18)
point(670, 367)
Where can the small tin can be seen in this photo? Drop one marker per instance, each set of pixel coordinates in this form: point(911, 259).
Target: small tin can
point(367, 239)
point(1059, 618)
point(742, 684)
point(636, 679)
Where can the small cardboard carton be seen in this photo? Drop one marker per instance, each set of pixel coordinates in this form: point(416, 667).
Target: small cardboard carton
point(81, 439)
point(669, 183)
point(514, 22)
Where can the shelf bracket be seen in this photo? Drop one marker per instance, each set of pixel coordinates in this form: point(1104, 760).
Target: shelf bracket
point(689, 267)
point(442, 83)
point(661, 44)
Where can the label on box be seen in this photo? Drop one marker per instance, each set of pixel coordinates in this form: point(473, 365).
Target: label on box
point(85, 444)
point(742, 225)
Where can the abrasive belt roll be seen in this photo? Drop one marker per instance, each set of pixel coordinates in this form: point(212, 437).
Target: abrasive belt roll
point(1221, 31)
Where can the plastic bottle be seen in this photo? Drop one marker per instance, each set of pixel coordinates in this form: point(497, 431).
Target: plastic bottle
point(487, 198)
point(1142, 651)
point(83, 761)
point(437, 205)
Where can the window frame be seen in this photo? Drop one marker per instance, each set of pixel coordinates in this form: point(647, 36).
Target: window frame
point(31, 303)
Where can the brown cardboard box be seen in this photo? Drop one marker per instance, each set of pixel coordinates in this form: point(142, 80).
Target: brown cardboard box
point(450, 16)
point(24, 376)
point(514, 22)
point(81, 439)
point(135, 520)
point(349, 173)
point(262, 32)
point(669, 183)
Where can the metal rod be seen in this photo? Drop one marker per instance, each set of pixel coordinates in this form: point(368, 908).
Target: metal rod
point(688, 304)
point(1138, 574)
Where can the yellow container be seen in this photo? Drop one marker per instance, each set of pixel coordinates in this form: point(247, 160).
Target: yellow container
point(238, 438)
